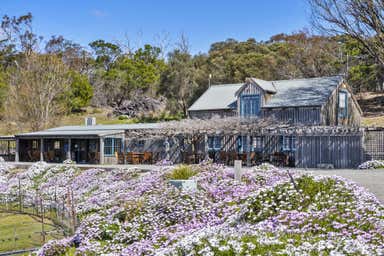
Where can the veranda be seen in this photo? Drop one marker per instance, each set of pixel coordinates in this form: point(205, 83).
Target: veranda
point(252, 141)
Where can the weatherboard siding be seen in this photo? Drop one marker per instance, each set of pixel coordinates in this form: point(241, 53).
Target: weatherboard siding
point(251, 89)
point(340, 151)
point(294, 115)
point(330, 113)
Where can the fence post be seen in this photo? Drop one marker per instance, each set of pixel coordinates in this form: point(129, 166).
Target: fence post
point(42, 220)
point(238, 171)
point(73, 211)
point(14, 237)
point(20, 200)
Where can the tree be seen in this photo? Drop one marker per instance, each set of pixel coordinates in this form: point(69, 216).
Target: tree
point(37, 87)
point(129, 74)
point(106, 52)
point(72, 54)
point(18, 33)
point(178, 81)
point(80, 92)
point(362, 20)
point(3, 91)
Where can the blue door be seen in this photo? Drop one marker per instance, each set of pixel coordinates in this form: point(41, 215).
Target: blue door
point(250, 105)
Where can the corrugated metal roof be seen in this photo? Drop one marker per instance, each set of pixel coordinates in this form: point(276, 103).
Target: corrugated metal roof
point(286, 93)
point(217, 97)
point(47, 133)
point(303, 92)
point(94, 130)
point(7, 137)
point(265, 85)
point(107, 127)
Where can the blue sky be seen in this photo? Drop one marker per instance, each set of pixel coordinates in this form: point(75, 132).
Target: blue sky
point(203, 22)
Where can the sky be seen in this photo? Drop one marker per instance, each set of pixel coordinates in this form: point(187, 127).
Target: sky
point(150, 21)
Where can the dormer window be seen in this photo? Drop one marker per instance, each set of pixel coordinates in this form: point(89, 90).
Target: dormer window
point(250, 105)
point(343, 104)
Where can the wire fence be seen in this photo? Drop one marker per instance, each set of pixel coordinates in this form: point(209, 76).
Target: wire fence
point(29, 221)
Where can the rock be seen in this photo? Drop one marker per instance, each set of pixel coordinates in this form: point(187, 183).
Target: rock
point(140, 105)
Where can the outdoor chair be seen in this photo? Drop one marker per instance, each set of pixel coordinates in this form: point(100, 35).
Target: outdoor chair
point(51, 156)
point(252, 158)
point(232, 157)
point(35, 155)
point(280, 159)
point(120, 157)
point(243, 158)
point(223, 157)
point(46, 157)
point(147, 158)
point(136, 158)
point(129, 157)
point(257, 159)
point(29, 155)
point(97, 157)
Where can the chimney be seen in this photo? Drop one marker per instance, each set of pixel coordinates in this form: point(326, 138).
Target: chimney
point(90, 121)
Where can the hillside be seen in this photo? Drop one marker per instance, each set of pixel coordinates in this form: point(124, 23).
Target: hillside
point(372, 105)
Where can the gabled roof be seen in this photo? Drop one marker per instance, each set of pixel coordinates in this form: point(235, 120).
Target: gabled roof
point(267, 86)
point(285, 93)
point(303, 92)
point(217, 97)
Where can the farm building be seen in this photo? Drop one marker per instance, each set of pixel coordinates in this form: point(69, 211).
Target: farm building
point(305, 123)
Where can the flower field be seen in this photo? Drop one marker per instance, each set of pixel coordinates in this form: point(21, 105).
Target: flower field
point(125, 212)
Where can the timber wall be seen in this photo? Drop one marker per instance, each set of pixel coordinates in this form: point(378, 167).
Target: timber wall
point(340, 151)
point(294, 115)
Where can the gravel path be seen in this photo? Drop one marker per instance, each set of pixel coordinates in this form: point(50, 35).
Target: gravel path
point(373, 180)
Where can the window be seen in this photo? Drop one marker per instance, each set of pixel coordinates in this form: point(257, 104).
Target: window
point(257, 143)
point(242, 144)
point(343, 104)
point(249, 105)
point(111, 146)
point(34, 144)
point(56, 144)
point(289, 143)
point(214, 142)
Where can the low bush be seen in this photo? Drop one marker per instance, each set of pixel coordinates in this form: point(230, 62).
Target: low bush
point(182, 172)
point(372, 164)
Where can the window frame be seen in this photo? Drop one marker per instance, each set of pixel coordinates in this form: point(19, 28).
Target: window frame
point(214, 142)
point(56, 143)
point(254, 110)
point(35, 144)
point(343, 112)
point(112, 147)
point(288, 143)
point(257, 143)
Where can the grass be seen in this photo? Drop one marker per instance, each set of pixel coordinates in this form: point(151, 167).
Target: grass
point(20, 231)
point(182, 172)
point(373, 121)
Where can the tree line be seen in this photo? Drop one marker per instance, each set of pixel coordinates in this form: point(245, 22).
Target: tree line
point(43, 79)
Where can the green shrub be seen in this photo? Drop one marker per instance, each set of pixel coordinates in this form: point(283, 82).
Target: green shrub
point(182, 172)
point(309, 193)
point(123, 117)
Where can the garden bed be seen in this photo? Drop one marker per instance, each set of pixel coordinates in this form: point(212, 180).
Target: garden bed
point(122, 212)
